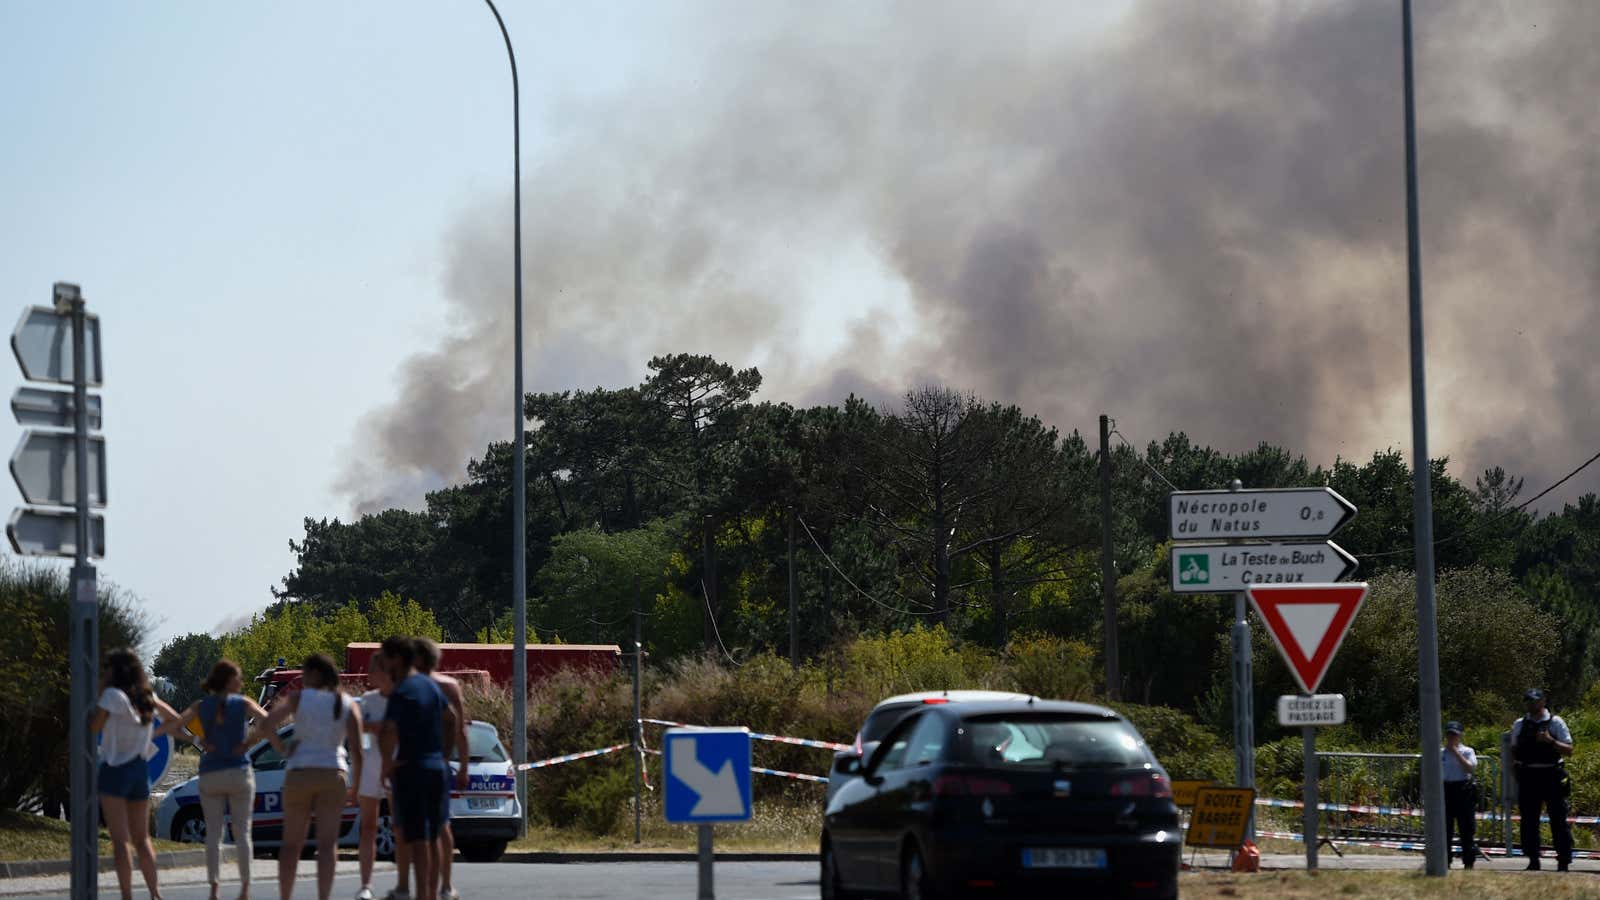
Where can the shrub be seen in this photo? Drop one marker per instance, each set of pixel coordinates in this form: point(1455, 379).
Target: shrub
point(1187, 749)
point(596, 803)
point(1047, 666)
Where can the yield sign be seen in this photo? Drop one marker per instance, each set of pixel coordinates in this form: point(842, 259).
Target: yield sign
point(1308, 622)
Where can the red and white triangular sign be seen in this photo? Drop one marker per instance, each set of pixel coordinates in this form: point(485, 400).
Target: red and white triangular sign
point(1308, 622)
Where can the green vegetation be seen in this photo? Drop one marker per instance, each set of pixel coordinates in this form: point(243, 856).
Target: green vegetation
point(24, 836)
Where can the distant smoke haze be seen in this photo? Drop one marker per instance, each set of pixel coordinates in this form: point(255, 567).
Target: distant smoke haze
point(1190, 217)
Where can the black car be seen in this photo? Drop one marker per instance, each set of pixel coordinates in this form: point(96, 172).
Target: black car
point(1005, 800)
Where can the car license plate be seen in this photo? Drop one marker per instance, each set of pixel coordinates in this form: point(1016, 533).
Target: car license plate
point(483, 803)
point(1063, 858)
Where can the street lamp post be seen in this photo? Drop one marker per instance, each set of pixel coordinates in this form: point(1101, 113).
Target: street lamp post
point(519, 473)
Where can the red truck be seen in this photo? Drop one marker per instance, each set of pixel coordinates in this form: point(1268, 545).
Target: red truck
point(470, 663)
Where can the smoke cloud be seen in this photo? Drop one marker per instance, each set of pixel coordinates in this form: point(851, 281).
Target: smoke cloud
point(1190, 216)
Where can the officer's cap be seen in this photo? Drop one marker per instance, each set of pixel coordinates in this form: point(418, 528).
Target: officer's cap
point(1452, 728)
point(1533, 695)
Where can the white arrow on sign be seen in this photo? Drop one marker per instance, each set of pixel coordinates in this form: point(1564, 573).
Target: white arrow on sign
point(1230, 568)
point(49, 532)
point(44, 466)
point(719, 792)
point(51, 408)
point(1270, 513)
point(42, 342)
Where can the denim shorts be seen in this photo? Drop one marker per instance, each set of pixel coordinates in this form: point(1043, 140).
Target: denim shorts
point(129, 781)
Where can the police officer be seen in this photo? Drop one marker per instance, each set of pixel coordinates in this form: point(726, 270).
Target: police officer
point(1460, 793)
point(1540, 743)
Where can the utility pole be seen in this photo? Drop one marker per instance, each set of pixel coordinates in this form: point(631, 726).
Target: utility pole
point(638, 724)
point(1438, 851)
point(794, 620)
point(1108, 566)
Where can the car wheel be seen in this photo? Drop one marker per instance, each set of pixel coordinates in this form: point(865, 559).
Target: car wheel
point(485, 852)
point(383, 841)
point(189, 827)
point(832, 884)
point(914, 881)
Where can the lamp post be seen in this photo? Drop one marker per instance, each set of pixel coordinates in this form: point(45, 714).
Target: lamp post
point(519, 473)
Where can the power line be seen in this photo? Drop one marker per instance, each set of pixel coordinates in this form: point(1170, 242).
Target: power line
point(1136, 455)
point(835, 567)
point(706, 596)
point(1485, 523)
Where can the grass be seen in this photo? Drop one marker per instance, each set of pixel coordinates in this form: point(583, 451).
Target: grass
point(24, 836)
point(1389, 885)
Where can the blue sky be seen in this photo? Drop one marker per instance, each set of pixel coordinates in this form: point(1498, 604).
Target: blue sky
point(254, 199)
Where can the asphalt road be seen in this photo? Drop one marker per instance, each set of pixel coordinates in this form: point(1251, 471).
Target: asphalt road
point(537, 881)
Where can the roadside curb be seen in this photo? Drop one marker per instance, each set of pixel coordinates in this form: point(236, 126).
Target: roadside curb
point(174, 859)
point(624, 856)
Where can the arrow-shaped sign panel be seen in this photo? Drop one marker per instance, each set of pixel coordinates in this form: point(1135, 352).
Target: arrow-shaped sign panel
point(42, 342)
point(50, 532)
point(51, 408)
point(1308, 623)
point(1229, 568)
point(1270, 513)
point(45, 468)
point(708, 774)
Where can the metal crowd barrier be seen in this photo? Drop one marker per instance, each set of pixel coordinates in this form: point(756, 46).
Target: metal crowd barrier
point(1376, 797)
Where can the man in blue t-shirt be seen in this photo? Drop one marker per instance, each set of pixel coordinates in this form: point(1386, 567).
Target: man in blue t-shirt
point(413, 741)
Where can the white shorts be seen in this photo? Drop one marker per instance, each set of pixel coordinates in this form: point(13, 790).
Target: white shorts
point(372, 776)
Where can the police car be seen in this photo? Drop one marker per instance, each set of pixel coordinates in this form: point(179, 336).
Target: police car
point(484, 817)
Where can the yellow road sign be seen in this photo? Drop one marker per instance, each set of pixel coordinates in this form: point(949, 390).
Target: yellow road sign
point(1220, 817)
point(1183, 792)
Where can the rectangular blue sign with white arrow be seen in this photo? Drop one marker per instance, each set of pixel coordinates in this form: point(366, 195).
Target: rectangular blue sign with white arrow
point(707, 774)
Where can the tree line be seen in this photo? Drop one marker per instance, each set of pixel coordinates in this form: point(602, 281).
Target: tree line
point(681, 494)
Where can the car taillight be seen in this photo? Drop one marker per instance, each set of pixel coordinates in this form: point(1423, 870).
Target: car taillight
point(969, 786)
point(1149, 784)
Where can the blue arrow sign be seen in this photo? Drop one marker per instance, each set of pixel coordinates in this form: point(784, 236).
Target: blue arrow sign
point(707, 774)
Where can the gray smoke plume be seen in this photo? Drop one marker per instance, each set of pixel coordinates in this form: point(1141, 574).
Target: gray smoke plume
point(1188, 215)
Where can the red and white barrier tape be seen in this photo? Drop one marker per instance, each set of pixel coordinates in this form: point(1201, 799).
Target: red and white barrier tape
point(570, 757)
point(1410, 845)
point(798, 776)
point(756, 735)
point(1403, 811)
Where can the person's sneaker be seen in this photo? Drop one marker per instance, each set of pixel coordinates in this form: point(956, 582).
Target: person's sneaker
point(449, 894)
point(364, 894)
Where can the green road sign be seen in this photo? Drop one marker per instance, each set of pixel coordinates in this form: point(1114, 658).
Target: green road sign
point(1194, 568)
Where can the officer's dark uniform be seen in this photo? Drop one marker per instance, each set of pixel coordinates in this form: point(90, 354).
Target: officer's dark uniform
point(1542, 781)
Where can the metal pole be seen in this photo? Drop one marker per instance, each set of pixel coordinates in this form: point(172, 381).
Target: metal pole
point(83, 622)
point(706, 890)
point(1508, 793)
point(794, 620)
point(1108, 568)
point(1244, 728)
point(519, 471)
point(638, 726)
point(1308, 736)
point(1438, 855)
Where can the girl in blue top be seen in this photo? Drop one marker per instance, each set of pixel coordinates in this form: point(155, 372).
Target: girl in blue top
point(227, 783)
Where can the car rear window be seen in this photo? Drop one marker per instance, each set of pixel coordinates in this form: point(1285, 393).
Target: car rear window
point(1047, 741)
point(483, 745)
point(882, 719)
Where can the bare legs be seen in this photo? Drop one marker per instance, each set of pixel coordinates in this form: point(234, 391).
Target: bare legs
point(128, 823)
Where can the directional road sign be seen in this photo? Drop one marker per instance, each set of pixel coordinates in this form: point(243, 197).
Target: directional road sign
point(45, 468)
point(1226, 568)
point(708, 774)
point(1308, 623)
point(1260, 514)
point(42, 342)
point(50, 408)
point(53, 532)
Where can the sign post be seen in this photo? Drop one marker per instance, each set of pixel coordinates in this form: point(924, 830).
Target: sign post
point(707, 781)
point(1253, 524)
point(60, 344)
point(1308, 623)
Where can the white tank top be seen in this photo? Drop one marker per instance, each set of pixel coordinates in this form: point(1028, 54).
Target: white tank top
point(319, 731)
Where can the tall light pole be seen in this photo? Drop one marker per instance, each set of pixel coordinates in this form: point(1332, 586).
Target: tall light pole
point(1438, 850)
point(519, 471)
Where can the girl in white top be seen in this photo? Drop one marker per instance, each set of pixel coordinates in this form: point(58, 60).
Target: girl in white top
point(326, 722)
point(370, 793)
point(125, 719)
